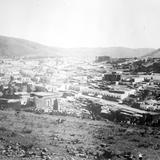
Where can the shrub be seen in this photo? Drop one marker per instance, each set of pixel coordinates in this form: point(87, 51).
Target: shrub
point(3, 129)
point(26, 130)
point(4, 117)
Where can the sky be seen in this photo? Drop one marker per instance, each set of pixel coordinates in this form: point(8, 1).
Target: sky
point(83, 23)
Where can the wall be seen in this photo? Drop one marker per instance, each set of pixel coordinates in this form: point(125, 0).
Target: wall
point(44, 103)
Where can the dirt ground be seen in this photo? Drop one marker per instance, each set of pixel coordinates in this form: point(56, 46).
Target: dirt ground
point(41, 136)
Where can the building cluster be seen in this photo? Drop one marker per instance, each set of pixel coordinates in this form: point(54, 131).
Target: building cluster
point(58, 84)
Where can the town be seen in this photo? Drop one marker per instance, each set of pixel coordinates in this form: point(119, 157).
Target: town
point(79, 80)
point(79, 86)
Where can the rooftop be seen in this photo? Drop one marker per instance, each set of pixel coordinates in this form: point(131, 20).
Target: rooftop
point(42, 94)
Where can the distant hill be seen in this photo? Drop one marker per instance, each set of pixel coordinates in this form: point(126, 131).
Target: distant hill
point(153, 54)
point(18, 47)
point(119, 52)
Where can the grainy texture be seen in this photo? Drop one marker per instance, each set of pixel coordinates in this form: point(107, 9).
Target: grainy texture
point(74, 138)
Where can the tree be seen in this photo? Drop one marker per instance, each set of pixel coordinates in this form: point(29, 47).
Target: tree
point(55, 104)
point(11, 79)
point(94, 109)
point(1, 88)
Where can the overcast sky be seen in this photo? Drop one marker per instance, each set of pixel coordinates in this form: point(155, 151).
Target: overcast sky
point(83, 23)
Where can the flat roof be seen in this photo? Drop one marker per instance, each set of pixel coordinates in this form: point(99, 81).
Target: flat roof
point(9, 100)
point(42, 94)
point(21, 93)
point(120, 87)
point(135, 110)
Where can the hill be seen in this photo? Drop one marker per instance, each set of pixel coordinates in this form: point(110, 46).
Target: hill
point(19, 47)
point(153, 54)
point(28, 135)
point(115, 52)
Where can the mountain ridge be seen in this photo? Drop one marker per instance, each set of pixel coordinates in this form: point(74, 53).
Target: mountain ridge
point(154, 54)
point(10, 46)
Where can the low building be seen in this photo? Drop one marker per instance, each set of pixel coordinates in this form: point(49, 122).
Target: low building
point(102, 58)
point(108, 95)
point(153, 89)
point(23, 97)
point(45, 101)
point(6, 104)
point(138, 79)
point(112, 77)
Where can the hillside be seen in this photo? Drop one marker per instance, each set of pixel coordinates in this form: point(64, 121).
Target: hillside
point(18, 47)
point(115, 52)
point(153, 54)
point(27, 136)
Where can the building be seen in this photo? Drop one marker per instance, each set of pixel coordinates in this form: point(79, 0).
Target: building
point(45, 101)
point(9, 103)
point(23, 97)
point(112, 77)
point(153, 89)
point(102, 58)
point(108, 95)
point(138, 79)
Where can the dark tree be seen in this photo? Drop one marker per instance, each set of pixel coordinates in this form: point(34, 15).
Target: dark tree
point(94, 109)
point(55, 104)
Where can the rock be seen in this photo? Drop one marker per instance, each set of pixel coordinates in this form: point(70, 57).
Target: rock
point(119, 153)
point(130, 131)
point(82, 155)
point(22, 153)
point(44, 150)
point(108, 153)
point(60, 120)
point(100, 153)
point(48, 158)
point(103, 145)
point(3, 151)
point(142, 132)
point(157, 146)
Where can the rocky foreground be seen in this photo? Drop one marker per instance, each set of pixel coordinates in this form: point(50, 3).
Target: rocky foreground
point(32, 136)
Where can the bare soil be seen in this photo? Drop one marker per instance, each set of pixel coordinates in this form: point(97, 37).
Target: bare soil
point(33, 136)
